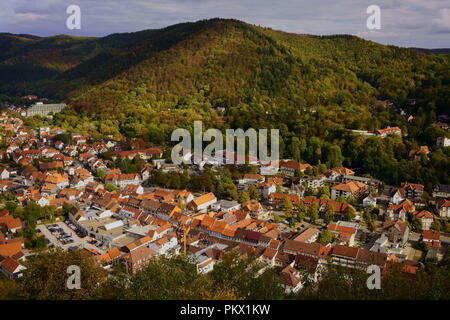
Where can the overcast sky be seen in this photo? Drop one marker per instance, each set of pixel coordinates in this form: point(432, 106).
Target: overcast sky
point(418, 23)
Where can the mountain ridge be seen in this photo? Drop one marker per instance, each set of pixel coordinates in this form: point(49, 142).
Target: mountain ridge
point(236, 60)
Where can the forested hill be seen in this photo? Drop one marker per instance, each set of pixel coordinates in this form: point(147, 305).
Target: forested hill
point(232, 74)
point(218, 63)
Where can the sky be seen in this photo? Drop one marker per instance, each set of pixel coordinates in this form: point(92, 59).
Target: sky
point(406, 23)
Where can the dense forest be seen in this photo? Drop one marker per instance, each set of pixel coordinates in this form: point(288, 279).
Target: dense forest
point(231, 74)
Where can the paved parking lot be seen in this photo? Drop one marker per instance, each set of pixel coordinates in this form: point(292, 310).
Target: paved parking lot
point(77, 241)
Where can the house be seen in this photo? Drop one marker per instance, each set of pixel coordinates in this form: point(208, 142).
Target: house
point(441, 191)
point(266, 188)
point(389, 130)
point(314, 250)
point(11, 268)
point(110, 256)
point(164, 245)
point(443, 207)
point(254, 209)
point(145, 173)
point(250, 178)
point(48, 189)
point(432, 238)
point(336, 173)
point(399, 211)
point(129, 212)
point(168, 167)
point(426, 218)
point(313, 182)
point(60, 180)
point(394, 194)
point(40, 200)
point(291, 279)
point(344, 234)
point(310, 235)
point(442, 142)
point(367, 181)
point(9, 248)
point(203, 202)
point(137, 189)
point(416, 155)
point(347, 189)
point(370, 201)
point(70, 194)
point(310, 269)
point(357, 257)
point(9, 224)
point(137, 258)
point(396, 231)
point(277, 199)
point(4, 173)
point(290, 167)
point(411, 190)
point(338, 207)
point(226, 205)
point(123, 179)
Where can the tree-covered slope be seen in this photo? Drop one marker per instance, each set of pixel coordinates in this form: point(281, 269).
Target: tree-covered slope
point(222, 63)
point(232, 74)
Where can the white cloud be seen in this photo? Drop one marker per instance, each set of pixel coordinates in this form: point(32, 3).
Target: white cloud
point(442, 22)
point(420, 22)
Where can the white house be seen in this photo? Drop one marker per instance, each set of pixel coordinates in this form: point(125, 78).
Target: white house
point(203, 202)
point(163, 245)
point(426, 217)
point(369, 201)
point(11, 268)
point(4, 173)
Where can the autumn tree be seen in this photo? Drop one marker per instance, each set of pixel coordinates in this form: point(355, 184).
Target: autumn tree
point(46, 276)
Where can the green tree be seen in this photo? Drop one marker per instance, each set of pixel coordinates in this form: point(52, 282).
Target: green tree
point(329, 213)
point(244, 197)
point(253, 193)
point(326, 236)
point(314, 212)
point(349, 213)
point(417, 225)
point(295, 149)
point(436, 225)
point(110, 187)
point(302, 211)
point(288, 207)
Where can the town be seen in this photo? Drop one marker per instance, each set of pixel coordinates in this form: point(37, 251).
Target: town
point(65, 190)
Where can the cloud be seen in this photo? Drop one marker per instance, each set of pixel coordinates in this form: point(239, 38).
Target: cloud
point(404, 22)
point(442, 22)
point(31, 16)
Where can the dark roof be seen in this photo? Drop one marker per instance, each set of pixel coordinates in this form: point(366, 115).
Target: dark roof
point(442, 188)
point(253, 235)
